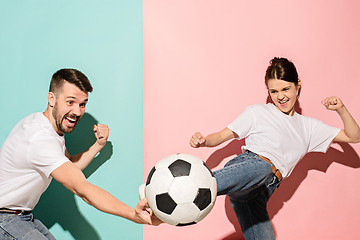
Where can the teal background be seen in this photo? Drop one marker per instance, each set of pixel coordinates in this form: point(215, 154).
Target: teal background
point(103, 39)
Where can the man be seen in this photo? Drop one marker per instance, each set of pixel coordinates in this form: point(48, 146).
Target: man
point(35, 152)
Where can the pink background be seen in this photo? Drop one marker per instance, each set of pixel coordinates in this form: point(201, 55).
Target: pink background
point(204, 62)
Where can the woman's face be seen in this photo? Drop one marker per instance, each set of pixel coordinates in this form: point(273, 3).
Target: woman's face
point(283, 94)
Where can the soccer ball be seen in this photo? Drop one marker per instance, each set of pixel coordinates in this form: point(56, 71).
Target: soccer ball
point(181, 190)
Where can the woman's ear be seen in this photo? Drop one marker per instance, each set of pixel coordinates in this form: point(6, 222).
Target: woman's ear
point(268, 99)
point(298, 87)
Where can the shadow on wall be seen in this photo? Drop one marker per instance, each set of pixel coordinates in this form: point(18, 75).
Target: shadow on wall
point(312, 161)
point(57, 204)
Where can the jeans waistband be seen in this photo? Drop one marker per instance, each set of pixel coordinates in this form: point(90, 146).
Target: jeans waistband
point(17, 212)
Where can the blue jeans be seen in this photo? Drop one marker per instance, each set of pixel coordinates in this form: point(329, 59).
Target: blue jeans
point(22, 227)
point(249, 182)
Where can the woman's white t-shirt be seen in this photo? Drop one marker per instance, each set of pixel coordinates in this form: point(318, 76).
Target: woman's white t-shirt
point(281, 138)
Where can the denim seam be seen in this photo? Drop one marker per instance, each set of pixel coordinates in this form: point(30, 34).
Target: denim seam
point(8, 234)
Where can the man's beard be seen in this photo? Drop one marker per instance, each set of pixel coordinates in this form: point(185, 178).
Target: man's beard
point(58, 120)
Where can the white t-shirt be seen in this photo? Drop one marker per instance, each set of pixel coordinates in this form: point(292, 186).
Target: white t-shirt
point(281, 138)
point(27, 157)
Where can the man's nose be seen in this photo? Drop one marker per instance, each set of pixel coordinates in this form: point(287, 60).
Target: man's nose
point(76, 110)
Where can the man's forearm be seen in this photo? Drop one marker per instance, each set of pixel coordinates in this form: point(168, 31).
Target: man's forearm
point(82, 160)
point(104, 201)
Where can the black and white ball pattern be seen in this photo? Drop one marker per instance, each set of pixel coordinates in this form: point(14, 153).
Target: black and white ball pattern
point(181, 189)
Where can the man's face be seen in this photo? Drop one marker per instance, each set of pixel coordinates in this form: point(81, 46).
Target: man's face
point(69, 107)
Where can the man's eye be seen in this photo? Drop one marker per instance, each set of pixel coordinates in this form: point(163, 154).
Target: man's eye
point(70, 102)
point(82, 104)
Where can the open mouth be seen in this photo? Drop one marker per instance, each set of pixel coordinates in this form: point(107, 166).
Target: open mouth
point(283, 102)
point(71, 121)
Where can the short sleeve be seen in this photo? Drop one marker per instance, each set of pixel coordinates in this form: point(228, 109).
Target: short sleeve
point(321, 136)
point(243, 123)
point(46, 154)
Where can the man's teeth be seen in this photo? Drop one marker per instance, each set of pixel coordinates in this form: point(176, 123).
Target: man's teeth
point(71, 119)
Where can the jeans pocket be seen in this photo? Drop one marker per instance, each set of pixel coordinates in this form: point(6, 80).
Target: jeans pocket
point(4, 217)
point(5, 235)
point(272, 184)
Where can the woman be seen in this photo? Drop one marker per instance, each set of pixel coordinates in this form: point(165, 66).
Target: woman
point(276, 138)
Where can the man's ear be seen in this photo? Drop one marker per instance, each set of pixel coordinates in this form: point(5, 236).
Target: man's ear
point(52, 99)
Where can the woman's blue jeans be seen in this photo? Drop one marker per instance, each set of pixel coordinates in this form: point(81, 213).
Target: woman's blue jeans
point(249, 182)
point(22, 227)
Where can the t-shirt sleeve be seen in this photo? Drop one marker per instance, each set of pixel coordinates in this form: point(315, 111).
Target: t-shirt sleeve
point(322, 136)
point(46, 155)
point(243, 123)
